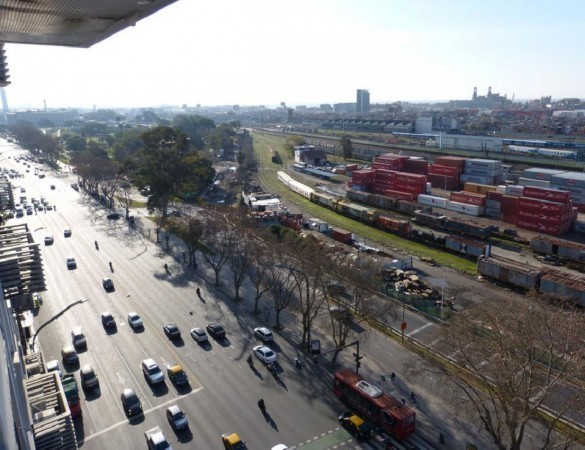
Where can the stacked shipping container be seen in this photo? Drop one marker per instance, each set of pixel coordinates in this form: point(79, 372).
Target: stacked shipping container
point(482, 171)
point(545, 210)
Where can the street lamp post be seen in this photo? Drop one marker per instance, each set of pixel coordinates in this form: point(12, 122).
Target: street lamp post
point(52, 319)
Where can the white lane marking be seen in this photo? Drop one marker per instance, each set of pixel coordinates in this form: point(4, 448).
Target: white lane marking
point(148, 411)
point(419, 329)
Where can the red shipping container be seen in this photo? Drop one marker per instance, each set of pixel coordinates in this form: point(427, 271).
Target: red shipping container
point(493, 195)
point(411, 178)
point(392, 157)
point(580, 207)
point(542, 228)
point(451, 161)
point(443, 181)
point(552, 219)
point(444, 170)
point(341, 235)
point(534, 204)
point(399, 194)
point(468, 198)
point(379, 165)
point(547, 194)
point(382, 174)
point(349, 183)
point(509, 218)
point(416, 166)
point(409, 188)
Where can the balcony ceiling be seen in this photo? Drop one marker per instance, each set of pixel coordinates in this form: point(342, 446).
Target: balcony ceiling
point(71, 23)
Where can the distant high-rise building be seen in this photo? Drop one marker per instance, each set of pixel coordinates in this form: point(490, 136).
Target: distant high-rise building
point(362, 104)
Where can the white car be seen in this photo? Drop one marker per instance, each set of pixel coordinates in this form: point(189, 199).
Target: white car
point(152, 371)
point(263, 333)
point(264, 354)
point(135, 320)
point(199, 334)
point(53, 366)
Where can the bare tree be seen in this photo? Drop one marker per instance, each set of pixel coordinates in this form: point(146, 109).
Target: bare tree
point(515, 360)
point(354, 301)
point(239, 258)
point(309, 273)
point(258, 269)
point(282, 286)
point(125, 199)
point(189, 230)
point(218, 234)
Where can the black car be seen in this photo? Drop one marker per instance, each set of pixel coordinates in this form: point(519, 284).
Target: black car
point(215, 330)
point(172, 331)
point(108, 321)
point(113, 216)
point(131, 402)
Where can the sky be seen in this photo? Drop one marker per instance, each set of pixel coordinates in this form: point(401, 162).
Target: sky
point(308, 52)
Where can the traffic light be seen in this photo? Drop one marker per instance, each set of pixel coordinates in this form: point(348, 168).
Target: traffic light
point(357, 361)
point(3, 67)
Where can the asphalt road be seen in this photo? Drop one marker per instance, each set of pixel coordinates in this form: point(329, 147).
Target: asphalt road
point(223, 390)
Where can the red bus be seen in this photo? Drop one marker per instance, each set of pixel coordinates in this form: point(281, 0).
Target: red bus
point(371, 402)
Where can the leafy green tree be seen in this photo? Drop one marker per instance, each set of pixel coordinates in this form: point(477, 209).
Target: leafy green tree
point(196, 127)
point(293, 141)
point(75, 143)
point(346, 146)
point(222, 137)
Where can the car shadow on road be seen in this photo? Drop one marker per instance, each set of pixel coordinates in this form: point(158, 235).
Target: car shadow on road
point(205, 345)
point(160, 389)
point(138, 330)
point(136, 420)
point(224, 342)
point(92, 394)
point(184, 389)
point(178, 342)
point(184, 436)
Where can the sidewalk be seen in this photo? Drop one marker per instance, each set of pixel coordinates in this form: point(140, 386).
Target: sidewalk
point(429, 407)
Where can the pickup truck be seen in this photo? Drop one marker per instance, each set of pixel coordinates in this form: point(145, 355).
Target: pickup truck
point(156, 440)
point(72, 394)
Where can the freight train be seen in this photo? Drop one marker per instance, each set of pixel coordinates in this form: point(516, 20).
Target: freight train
point(398, 226)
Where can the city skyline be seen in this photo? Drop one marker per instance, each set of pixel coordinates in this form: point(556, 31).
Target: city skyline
point(309, 53)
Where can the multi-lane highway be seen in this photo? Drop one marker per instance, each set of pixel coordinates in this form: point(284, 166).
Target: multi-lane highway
point(223, 390)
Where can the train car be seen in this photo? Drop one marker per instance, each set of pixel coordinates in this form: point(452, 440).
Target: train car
point(393, 225)
point(325, 200)
point(407, 207)
point(284, 177)
point(468, 228)
point(427, 237)
point(300, 188)
point(430, 219)
point(359, 196)
point(358, 212)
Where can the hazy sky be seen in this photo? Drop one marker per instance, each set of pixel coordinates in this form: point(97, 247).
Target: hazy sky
point(252, 52)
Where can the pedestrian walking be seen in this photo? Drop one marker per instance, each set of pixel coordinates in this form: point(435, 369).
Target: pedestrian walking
point(392, 376)
point(403, 400)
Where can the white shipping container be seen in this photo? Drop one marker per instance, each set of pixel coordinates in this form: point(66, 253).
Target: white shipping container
point(480, 171)
point(532, 182)
point(541, 174)
point(471, 210)
point(464, 178)
point(501, 188)
point(483, 163)
point(429, 188)
point(431, 200)
point(574, 190)
point(516, 191)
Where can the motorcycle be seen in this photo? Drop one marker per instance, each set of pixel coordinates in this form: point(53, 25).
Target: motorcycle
point(298, 363)
point(272, 369)
point(97, 247)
